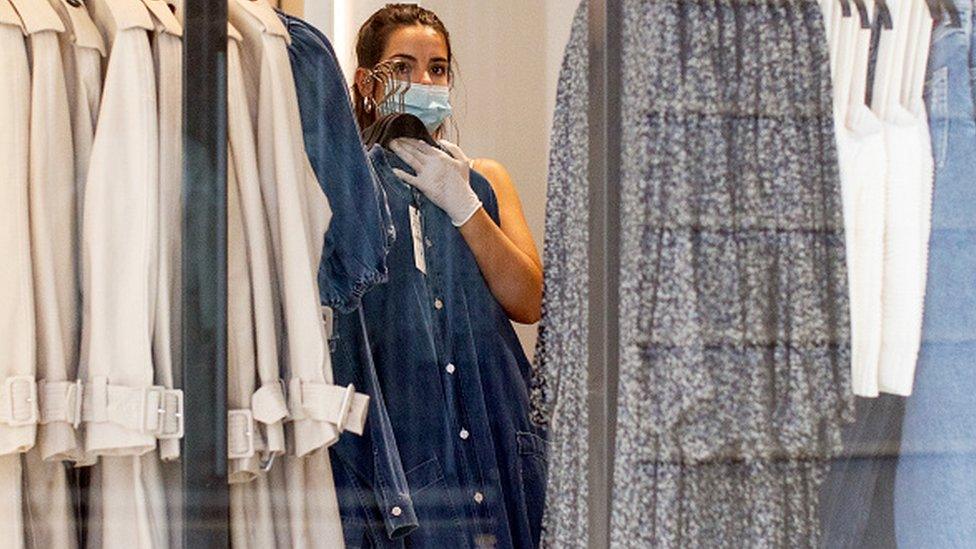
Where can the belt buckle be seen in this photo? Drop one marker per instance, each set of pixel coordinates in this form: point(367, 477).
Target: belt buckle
point(76, 398)
point(242, 422)
point(170, 405)
point(345, 407)
point(15, 386)
point(167, 403)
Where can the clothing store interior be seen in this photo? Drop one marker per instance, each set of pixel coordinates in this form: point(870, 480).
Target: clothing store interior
point(487, 274)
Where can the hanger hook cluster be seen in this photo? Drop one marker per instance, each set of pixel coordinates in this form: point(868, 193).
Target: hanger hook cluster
point(395, 89)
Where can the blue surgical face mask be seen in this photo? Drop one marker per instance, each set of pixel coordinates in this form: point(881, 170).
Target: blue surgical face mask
point(431, 104)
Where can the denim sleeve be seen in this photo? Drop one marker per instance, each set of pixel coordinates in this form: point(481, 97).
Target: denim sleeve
point(375, 472)
point(354, 256)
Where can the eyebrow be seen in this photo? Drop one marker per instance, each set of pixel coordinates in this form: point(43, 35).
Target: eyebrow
point(414, 59)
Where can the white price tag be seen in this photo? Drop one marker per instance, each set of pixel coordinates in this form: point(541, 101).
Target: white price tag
point(417, 230)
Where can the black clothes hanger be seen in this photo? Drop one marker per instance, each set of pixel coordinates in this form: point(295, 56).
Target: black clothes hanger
point(941, 8)
point(845, 8)
point(395, 126)
point(884, 14)
point(862, 12)
point(949, 7)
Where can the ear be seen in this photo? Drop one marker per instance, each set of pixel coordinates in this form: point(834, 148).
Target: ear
point(365, 86)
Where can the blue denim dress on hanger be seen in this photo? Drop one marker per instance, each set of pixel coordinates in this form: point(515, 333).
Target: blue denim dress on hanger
point(935, 487)
point(368, 474)
point(455, 381)
point(449, 458)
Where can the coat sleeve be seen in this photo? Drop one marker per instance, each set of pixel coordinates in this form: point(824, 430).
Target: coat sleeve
point(298, 215)
point(18, 410)
point(119, 257)
point(53, 245)
point(267, 405)
point(56, 298)
point(167, 54)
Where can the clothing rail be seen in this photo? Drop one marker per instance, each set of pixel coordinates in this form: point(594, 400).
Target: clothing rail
point(205, 491)
point(604, 259)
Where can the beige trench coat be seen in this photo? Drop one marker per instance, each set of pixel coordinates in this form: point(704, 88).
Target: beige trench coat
point(167, 48)
point(17, 412)
point(255, 384)
point(82, 51)
point(53, 232)
point(127, 259)
point(256, 429)
point(119, 245)
point(49, 517)
point(298, 216)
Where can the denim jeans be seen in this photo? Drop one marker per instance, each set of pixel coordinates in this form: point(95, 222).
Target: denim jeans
point(935, 488)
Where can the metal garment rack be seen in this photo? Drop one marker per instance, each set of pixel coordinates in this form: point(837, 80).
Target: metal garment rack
point(204, 491)
point(206, 499)
point(605, 87)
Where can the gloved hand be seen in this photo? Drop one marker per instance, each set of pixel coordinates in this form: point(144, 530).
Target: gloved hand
point(444, 180)
point(456, 152)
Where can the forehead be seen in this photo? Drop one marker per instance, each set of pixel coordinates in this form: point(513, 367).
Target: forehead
point(419, 41)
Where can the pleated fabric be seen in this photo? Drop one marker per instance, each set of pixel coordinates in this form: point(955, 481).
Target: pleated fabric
point(734, 320)
point(558, 388)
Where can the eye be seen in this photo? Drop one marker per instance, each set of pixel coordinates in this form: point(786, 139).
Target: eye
point(439, 70)
point(402, 68)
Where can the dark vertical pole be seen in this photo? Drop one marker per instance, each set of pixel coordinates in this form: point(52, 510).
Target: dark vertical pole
point(604, 258)
point(205, 492)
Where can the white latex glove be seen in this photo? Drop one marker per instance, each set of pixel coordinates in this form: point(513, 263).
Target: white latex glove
point(444, 180)
point(456, 152)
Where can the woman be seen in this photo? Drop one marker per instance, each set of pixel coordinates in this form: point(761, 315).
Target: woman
point(454, 377)
point(418, 45)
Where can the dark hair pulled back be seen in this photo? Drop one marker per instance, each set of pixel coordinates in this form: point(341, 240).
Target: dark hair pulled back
point(373, 38)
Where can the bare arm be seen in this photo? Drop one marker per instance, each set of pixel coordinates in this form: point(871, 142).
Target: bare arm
point(507, 255)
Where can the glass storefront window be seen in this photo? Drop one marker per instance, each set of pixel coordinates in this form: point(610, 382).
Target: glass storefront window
point(610, 273)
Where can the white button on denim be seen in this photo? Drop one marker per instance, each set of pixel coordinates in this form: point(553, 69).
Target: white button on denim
point(396, 511)
point(450, 369)
point(438, 304)
point(464, 434)
point(479, 497)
